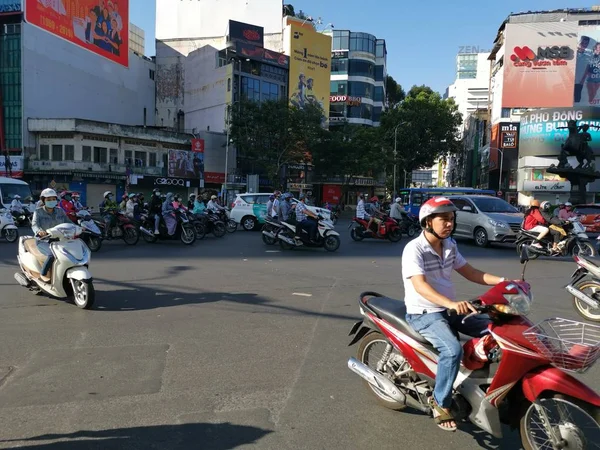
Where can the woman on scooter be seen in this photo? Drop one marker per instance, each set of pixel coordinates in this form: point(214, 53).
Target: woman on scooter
point(427, 265)
point(534, 221)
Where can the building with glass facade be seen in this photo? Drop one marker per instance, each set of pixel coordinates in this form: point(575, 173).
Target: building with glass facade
point(358, 71)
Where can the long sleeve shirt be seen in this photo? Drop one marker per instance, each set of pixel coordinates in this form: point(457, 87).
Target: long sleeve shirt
point(43, 219)
point(396, 211)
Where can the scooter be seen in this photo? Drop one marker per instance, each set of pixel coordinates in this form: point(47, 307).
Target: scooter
point(515, 374)
point(8, 229)
point(184, 230)
point(585, 288)
point(91, 233)
point(388, 230)
point(68, 257)
point(270, 230)
point(327, 237)
point(576, 242)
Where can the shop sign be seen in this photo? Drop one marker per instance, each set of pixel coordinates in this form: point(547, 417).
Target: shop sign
point(170, 182)
point(546, 186)
point(352, 101)
point(299, 186)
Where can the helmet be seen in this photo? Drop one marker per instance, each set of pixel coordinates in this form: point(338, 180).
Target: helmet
point(48, 193)
point(435, 205)
point(132, 195)
point(156, 191)
point(213, 197)
point(192, 195)
point(17, 197)
point(302, 196)
point(76, 194)
point(106, 194)
point(535, 203)
point(545, 205)
point(398, 200)
point(374, 199)
point(568, 204)
point(277, 193)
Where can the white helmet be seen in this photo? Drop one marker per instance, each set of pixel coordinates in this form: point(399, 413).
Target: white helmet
point(398, 199)
point(17, 197)
point(568, 204)
point(107, 193)
point(545, 205)
point(48, 193)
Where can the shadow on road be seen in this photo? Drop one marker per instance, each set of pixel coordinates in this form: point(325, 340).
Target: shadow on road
point(208, 436)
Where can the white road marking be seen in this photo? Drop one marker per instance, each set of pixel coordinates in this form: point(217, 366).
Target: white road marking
point(301, 294)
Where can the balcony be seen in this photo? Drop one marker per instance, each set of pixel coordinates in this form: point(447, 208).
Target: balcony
point(83, 166)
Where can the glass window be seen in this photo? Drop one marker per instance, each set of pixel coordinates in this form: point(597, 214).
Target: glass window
point(44, 152)
point(128, 157)
point(362, 42)
point(377, 113)
point(366, 111)
point(100, 154)
point(360, 89)
point(140, 159)
point(340, 40)
point(86, 154)
point(505, 113)
point(378, 95)
point(69, 152)
point(262, 199)
point(57, 153)
point(360, 68)
point(378, 73)
point(152, 159)
point(338, 87)
point(337, 110)
point(10, 83)
point(114, 156)
point(251, 89)
point(339, 65)
point(380, 51)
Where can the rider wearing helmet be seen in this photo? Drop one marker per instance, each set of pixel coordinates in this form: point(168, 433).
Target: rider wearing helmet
point(396, 209)
point(107, 209)
point(555, 225)
point(66, 204)
point(534, 221)
point(191, 200)
point(373, 210)
point(285, 207)
point(275, 208)
point(567, 212)
point(132, 208)
point(427, 265)
point(213, 205)
point(77, 201)
point(156, 208)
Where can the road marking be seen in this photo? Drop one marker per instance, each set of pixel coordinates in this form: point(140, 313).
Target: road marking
point(273, 251)
point(301, 294)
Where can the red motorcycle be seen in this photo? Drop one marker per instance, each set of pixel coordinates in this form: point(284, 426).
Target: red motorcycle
point(387, 229)
point(514, 374)
point(124, 228)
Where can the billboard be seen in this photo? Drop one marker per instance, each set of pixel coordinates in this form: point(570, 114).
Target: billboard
point(310, 67)
point(244, 32)
point(263, 55)
point(186, 164)
point(11, 166)
point(539, 65)
point(587, 67)
point(543, 131)
point(100, 26)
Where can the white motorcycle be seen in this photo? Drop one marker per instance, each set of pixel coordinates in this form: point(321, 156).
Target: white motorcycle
point(91, 234)
point(68, 275)
point(8, 229)
point(327, 237)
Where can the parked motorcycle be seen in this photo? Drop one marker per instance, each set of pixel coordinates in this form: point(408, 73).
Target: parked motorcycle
point(327, 237)
point(91, 233)
point(388, 229)
point(124, 228)
point(8, 229)
point(585, 288)
point(68, 276)
point(576, 242)
point(184, 231)
point(270, 230)
point(512, 380)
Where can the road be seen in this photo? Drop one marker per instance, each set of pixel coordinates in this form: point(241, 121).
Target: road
point(225, 344)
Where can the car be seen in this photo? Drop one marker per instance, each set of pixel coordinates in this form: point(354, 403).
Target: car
point(250, 210)
point(590, 217)
point(486, 219)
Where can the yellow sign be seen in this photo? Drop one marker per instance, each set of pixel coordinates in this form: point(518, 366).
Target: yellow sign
point(310, 68)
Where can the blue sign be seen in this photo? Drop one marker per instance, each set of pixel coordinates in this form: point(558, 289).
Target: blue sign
point(7, 6)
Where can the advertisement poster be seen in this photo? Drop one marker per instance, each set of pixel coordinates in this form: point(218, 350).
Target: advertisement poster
point(543, 131)
point(11, 166)
point(262, 54)
point(539, 65)
point(198, 162)
point(186, 164)
point(101, 26)
point(244, 32)
point(310, 68)
point(587, 68)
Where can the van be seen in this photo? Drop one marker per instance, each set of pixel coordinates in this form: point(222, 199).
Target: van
point(9, 187)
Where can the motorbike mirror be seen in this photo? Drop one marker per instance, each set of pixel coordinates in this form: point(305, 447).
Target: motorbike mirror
point(524, 259)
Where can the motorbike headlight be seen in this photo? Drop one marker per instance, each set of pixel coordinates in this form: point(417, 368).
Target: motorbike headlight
point(498, 223)
point(519, 304)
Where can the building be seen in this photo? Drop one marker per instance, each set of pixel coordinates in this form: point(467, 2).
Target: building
point(358, 71)
point(137, 40)
point(534, 91)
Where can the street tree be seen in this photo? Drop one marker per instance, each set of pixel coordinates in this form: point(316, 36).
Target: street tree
point(273, 134)
point(393, 91)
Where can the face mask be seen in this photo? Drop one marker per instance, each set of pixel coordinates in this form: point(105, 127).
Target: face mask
point(51, 204)
point(110, 197)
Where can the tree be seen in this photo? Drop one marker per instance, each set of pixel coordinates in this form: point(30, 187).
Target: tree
point(274, 134)
point(394, 92)
point(288, 10)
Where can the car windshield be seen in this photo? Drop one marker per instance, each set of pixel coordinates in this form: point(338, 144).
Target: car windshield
point(588, 209)
point(9, 190)
point(493, 205)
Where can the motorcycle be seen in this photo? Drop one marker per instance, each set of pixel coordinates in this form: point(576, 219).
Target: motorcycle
point(68, 276)
point(184, 231)
point(124, 229)
point(230, 224)
point(585, 289)
point(270, 230)
point(388, 229)
point(22, 218)
point(409, 225)
point(198, 224)
point(507, 376)
point(577, 242)
point(8, 229)
point(213, 224)
point(91, 233)
point(327, 237)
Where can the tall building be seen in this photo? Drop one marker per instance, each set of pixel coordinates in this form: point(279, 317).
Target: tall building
point(358, 71)
point(137, 40)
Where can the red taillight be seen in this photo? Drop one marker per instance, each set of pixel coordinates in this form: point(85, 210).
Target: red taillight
point(232, 205)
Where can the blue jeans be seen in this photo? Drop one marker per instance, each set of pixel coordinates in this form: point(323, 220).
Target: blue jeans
point(440, 329)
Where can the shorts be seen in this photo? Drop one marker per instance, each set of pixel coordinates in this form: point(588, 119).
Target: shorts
point(539, 229)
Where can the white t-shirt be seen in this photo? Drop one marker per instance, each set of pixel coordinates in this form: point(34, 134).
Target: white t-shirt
point(419, 258)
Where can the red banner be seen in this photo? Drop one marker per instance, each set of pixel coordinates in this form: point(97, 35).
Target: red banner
point(332, 193)
point(100, 26)
point(198, 145)
point(214, 177)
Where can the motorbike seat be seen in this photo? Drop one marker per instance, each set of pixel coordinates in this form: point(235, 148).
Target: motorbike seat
point(394, 311)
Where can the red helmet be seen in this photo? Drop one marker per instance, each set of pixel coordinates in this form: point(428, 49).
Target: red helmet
point(374, 199)
point(435, 205)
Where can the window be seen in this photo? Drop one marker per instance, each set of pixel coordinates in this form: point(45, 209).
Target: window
point(360, 89)
point(338, 87)
point(341, 40)
point(10, 79)
point(379, 73)
point(69, 153)
point(262, 199)
point(128, 157)
point(378, 95)
point(269, 91)
point(339, 65)
point(151, 74)
point(251, 89)
point(100, 155)
point(363, 111)
point(460, 203)
point(362, 42)
point(337, 110)
point(377, 113)
point(466, 66)
point(114, 156)
point(86, 153)
point(505, 113)
point(57, 153)
point(140, 159)
point(152, 159)
point(361, 68)
point(44, 152)
point(380, 50)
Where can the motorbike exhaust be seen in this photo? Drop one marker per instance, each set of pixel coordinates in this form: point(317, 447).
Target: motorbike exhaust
point(287, 239)
point(148, 232)
point(583, 297)
point(22, 280)
point(269, 234)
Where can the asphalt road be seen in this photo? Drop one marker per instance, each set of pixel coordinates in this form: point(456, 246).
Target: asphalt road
point(225, 344)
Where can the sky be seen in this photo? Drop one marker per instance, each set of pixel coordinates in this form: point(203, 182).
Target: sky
point(422, 37)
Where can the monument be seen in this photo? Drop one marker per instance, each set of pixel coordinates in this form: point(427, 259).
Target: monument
point(577, 144)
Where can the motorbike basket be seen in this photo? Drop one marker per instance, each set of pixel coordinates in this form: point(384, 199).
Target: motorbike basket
point(568, 344)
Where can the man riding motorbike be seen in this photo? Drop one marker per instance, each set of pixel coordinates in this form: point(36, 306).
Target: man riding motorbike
point(396, 210)
point(107, 210)
point(285, 207)
point(213, 205)
point(16, 207)
point(132, 209)
point(44, 218)
point(76, 201)
point(427, 265)
point(567, 212)
point(303, 223)
point(66, 204)
point(555, 225)
point(191, 200)
point(156, 208)
point(275, 208)
point(373, 210)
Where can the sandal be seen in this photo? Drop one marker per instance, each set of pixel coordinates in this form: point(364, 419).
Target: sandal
point(441, 416)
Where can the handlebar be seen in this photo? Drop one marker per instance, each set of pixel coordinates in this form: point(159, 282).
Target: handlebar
point(476, 303)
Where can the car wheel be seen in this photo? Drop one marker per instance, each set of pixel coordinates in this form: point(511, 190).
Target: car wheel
point(481, 237)
point(249, 223)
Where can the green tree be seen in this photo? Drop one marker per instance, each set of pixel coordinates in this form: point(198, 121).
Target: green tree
point(288, 10)
point(393, 91)
point(273, 133)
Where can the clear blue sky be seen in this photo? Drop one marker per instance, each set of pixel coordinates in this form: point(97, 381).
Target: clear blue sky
point(422, 37)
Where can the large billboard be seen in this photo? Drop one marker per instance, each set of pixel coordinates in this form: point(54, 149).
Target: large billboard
point(310, 67)
point(187, 164)
point(539, 65)
point(244, 32)
point(504, 137)
point(543, 131)
point(587, 70)
point(100, 26)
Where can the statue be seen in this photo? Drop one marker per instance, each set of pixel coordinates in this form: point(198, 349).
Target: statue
point(577, 144)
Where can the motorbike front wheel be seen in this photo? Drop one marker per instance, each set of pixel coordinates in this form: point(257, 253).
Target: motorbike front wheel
point(332, 243)
point(188, 235)
point(395, 235)
point(356, 234)
point(590, 288)
point(200, 230)
point(570, 421)
point(130, 236)
point(412, 231)
point(11, 235)
point(94, 243)
point(219, 229)
point(583, 248)
point(84, 294)
point(231, 226)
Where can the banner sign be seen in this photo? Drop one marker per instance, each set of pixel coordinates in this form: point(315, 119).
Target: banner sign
point(587, 68)
point(352, 101)
point(546, 186)
point(244, 32)
point(14, 164)
point(99, 26)
point(263, 55)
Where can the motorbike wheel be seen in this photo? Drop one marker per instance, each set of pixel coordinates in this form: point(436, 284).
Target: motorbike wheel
point(575, 421)
point(131, 236)
point(395, 235)
point(284, 245)
point(84, 294)
point(332, 243)
point(200, 231)
point(11, 235)
point(150, 239)
point(231, 226)
point(94, 243)
point(219, 230)
point(584, 248)
point(582, 308)
point(267, 239)
point(356, 234)
point(412, 231)
point(188, 234)
point(369, 343)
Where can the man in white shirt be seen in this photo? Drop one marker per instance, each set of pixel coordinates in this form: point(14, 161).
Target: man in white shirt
point(396, 209)
point(361, 212)
point(212, 204)
point(427, 265)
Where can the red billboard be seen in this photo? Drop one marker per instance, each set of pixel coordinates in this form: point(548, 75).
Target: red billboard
point(100, 26)
point(198, 145)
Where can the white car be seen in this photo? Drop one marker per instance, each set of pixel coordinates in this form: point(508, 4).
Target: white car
point(250, 210)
